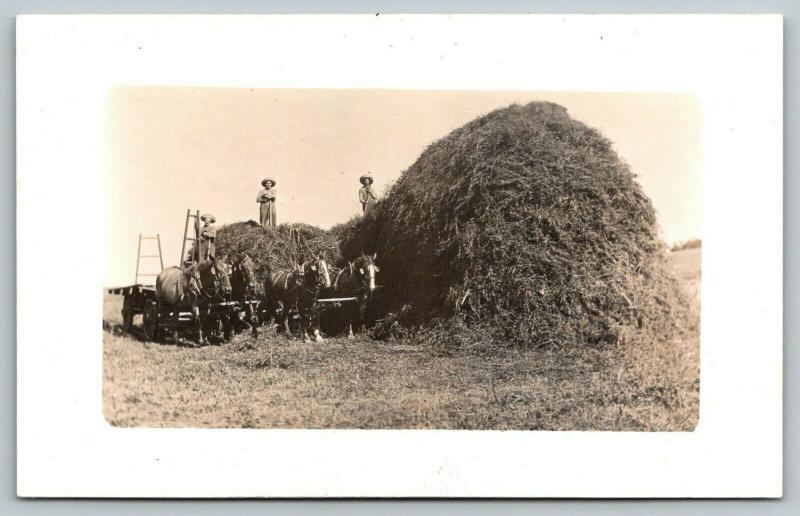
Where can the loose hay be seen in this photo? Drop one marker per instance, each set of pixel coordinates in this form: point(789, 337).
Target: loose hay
point(276, 248)
point(522, 226)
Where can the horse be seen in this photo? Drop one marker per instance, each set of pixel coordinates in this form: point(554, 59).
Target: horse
point(180, 288)
point(215, 287)
point(299, 289)
point(357, 280)
point(316, 278)
point(245, 289)
point(215, 280)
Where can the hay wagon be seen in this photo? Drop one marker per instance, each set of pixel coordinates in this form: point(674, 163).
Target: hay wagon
point(135, 298)
point(218, 316)
point(141, 300)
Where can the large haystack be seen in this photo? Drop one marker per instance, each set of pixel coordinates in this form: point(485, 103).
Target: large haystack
point(276, 248)
point(522, 226)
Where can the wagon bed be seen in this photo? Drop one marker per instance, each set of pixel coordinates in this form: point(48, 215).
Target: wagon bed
point(135, 298)
point(141, 300)
point(133, 290)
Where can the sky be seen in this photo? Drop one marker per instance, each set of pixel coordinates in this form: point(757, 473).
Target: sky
point(207, 149)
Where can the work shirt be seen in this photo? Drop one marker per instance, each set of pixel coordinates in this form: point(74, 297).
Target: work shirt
point(207, 236)
point(266, 195)
point(365, 194)
point(208, 232)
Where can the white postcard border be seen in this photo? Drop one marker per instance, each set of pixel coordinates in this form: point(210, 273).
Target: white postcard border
point(65, 66)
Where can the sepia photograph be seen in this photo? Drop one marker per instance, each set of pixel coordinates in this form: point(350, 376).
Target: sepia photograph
point(389, 259)
point(390, 255)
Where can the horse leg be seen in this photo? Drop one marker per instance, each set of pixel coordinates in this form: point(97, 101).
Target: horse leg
point(198, 322)
point(350, 328)
point(269, 319)
point(317, 336)
point(175, 319)
point(362, 308)
point(227, 327)
point(251, 311)
point(288, 332)
point(305, 322)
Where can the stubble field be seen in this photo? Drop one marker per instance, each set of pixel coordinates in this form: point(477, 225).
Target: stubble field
point(272, 382)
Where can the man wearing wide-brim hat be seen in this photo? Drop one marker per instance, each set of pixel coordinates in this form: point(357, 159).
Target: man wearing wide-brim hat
point(267, 199)
point(366, 195)
point(208, 234)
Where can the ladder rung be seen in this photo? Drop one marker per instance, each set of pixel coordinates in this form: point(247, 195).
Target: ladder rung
point(190, 238)
point(149, 238)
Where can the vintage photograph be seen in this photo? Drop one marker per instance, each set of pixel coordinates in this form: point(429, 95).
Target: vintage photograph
point(390, 259)
point(471, 256)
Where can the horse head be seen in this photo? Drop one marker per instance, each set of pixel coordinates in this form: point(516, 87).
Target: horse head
point(192, 282)
point(214, 278)
point(365, 270)
point(316, 273)
point(224, 272)
point(244, 275)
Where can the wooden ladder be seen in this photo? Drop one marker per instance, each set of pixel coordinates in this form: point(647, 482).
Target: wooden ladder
point(139, 256)
point(186, 238)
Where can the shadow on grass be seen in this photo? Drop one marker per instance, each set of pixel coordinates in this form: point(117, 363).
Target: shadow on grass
point(137, 333)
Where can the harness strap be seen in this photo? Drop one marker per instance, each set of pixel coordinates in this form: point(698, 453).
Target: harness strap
point(336, 281)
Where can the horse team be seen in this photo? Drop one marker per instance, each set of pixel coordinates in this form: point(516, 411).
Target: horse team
point(201, 286)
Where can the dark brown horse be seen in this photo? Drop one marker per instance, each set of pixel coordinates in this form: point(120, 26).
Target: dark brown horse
point(215, 287)
point(298, 289)
point(316, 278)
point(215, 280)
point(245, 289)
point(180, 289)
point(357, 280)
point(193, 288)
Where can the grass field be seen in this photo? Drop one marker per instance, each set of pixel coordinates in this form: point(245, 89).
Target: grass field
point(273, 382)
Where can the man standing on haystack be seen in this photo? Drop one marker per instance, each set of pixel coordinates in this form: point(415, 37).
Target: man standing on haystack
point(266, 198)
point(208, 234)
point(366, 195)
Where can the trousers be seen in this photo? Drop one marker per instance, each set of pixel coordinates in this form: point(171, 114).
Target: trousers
point(268, 216)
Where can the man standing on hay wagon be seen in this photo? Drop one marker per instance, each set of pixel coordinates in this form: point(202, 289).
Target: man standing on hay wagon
point(266, 198)
point(208, 234)
point(366, 195)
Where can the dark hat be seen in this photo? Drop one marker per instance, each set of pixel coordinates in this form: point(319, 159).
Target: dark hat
point(366, 177)
point(207, 217)
point(264, 181)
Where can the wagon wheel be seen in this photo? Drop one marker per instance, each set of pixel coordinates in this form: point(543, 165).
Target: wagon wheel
point(127, 314)
point(150, 322)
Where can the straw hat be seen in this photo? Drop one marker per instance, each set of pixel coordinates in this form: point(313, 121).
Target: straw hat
point(264, 181)
point(366, 177)
point(207, 217)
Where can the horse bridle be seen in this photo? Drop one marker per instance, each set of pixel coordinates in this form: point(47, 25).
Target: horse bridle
point(367, 274)
point(215, 284)
point(247, 276)
point(195, 283)
point(319, 282)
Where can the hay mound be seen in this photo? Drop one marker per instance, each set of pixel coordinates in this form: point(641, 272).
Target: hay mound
point(525, 225)
point(275, 248)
